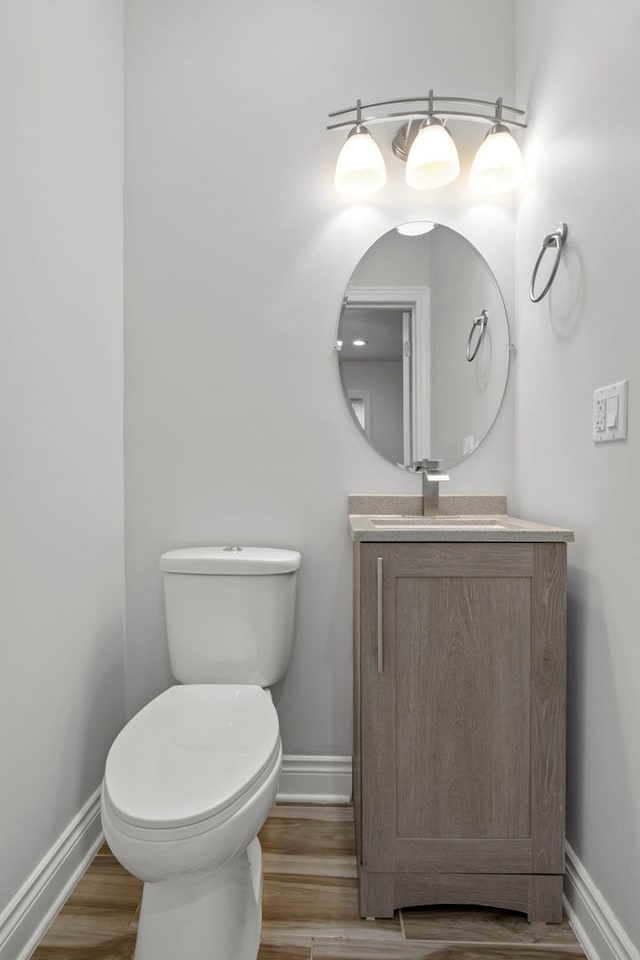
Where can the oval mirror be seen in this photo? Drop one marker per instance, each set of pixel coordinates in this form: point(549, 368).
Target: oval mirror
point(423, 345)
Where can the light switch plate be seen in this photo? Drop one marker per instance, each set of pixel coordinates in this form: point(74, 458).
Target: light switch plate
point(610, 412)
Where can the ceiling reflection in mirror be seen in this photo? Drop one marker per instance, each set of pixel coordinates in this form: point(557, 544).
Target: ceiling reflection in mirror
point(423, 345)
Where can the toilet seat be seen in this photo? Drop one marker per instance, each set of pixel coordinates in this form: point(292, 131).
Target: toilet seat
point(190, 759)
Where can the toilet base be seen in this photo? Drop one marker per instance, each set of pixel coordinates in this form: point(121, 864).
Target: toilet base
point(213, 916)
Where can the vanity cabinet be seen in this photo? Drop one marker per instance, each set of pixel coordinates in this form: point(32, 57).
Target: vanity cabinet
point(459, 724)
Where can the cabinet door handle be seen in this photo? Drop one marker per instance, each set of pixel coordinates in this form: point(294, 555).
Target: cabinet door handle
point(379, 579)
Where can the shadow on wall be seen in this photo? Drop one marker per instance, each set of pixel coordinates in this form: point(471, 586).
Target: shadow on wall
point(90, 744)
point(329, 681)
point(564, 303)
point(587, 625)
point(567, 295)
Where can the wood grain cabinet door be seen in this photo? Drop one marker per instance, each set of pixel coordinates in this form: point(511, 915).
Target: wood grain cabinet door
point(461, 726)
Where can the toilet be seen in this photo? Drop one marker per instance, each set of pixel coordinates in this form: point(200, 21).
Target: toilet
point(190, 779)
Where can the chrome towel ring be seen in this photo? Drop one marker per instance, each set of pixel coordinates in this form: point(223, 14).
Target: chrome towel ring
point(555, 239)
point(481, 324)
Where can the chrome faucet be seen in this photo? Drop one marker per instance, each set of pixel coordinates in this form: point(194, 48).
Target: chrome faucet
point(431, 479)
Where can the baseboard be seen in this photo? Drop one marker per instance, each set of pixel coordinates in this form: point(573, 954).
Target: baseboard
point(304, 779)
point(315, 780)
point(25, 920)
point(595, 924)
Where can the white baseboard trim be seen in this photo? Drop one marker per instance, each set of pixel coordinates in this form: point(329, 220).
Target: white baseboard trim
point(314, 780)
point(26, 918)
point(304, 779)
point(595, 924)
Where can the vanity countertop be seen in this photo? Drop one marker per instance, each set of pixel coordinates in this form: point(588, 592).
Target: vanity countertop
point(482, 528)
point(468, 518)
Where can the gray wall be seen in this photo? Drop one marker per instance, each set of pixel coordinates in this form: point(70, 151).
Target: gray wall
point(61, 547)
point(578, 75)
point(236, 426)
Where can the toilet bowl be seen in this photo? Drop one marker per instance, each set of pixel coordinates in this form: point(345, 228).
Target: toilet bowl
point(190, 779)
point(187, 786)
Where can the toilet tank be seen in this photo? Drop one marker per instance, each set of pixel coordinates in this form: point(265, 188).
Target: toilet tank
point(230, 613)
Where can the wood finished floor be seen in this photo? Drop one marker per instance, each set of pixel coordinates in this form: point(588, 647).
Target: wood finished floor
point(310, 908)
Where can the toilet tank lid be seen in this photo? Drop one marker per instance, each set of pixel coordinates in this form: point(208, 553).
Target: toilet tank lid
point(231, 560)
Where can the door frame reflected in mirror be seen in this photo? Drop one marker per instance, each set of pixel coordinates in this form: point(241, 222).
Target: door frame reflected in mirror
point(414, 301)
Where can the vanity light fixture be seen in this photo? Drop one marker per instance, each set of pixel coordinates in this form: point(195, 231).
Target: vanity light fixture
point(359, 343)
point(425, 144)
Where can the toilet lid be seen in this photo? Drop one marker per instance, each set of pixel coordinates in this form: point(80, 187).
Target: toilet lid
point(190, 753)
point(230, 561)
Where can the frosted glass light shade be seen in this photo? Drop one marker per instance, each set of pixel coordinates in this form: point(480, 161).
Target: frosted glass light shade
point(497, 166)
point(433, 158)
point(360, 169)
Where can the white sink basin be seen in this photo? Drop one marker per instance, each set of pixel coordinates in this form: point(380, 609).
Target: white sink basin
point(441, 523)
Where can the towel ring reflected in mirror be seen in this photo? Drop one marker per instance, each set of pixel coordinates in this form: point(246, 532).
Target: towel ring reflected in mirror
point(479, 323)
